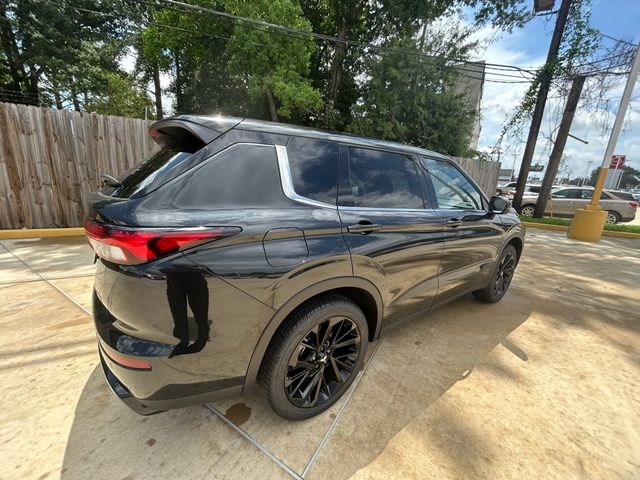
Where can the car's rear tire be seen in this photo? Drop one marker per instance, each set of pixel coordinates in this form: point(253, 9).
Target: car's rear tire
point(613, 218)
point(501, 276)
point(314, 357)
point(527, 210)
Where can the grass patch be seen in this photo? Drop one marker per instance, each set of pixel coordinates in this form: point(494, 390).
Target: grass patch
point(620, 227)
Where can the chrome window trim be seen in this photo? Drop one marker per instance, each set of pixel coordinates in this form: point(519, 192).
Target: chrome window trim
point(387, 209)
point(286, 181)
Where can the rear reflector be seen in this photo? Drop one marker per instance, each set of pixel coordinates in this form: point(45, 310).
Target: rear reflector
point(128, 362)
point(128, 246)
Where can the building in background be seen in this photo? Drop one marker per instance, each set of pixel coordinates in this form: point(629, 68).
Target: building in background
point(471, 77)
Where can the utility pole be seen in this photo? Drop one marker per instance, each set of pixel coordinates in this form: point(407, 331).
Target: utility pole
point(589, 221)
point(558, 146)
point(543, 91)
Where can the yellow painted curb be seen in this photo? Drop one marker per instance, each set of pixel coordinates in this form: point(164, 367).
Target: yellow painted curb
point(613, 233)
point(564, 228)
point(41, 233)
point(546, 226)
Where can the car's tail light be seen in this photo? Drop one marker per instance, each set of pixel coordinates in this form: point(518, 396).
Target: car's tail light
point(634, 204)
point(129, 246)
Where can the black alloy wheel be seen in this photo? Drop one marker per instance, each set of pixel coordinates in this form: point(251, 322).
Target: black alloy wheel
point(314, 357)
point(324, 359)
point(504, 273)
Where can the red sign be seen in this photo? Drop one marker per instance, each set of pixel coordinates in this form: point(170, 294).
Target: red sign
point(617, 161)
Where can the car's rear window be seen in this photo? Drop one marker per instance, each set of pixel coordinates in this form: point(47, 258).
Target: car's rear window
point(624, 196)
point(156, 166)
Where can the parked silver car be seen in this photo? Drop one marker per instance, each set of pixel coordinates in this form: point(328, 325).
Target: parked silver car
point(509, 189)
point(620, 206)
point(505, 189)
point(530, 189)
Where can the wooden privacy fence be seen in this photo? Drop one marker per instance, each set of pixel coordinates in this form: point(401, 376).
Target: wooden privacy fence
point(51, 159)
point(485, 174)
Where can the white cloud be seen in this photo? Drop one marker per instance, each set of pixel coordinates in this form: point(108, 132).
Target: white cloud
point(499, 100)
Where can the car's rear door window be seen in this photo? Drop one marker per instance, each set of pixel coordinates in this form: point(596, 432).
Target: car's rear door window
point(379, 179)
point(587, 194)
point(623, 196)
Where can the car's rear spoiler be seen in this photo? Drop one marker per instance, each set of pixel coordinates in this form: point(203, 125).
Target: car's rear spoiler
point(187, 133)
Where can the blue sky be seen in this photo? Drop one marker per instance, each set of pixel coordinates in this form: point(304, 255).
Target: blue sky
point(528, 47)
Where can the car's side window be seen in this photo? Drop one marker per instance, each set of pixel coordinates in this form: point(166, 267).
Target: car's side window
point(314, 168)
point(222, 180)
point(586, 194)
point(603, 195)
point(378, 179)
point(452, 189)
point(566, 193)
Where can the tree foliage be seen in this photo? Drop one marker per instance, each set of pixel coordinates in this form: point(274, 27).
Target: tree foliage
point(381, 78)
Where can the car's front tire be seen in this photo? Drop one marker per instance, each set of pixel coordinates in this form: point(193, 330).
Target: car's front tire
point(314, 357)
point(501, 278)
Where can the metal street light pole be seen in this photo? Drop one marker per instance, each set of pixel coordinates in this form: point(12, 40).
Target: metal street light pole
point(588, 222)
point(584, 179)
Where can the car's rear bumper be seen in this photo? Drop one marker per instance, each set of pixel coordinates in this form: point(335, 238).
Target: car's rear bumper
point(157, 352)
point(168, 397)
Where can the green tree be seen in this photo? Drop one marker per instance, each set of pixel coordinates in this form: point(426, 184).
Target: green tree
point(121, 96)
point(42, 39)
point(231, 67)
point(336, 66)
point(418, 100)
point(275, 67)
point(630, 177)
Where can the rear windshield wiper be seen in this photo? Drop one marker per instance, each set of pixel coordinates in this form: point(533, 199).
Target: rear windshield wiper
point(110, 180)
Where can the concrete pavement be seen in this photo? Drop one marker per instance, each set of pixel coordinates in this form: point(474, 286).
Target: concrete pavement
point(543, 384)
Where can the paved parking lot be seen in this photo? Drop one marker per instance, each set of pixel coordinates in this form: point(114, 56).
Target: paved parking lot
point(542, 385)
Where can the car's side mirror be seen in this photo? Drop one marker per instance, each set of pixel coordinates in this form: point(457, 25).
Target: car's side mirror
point(498, 205)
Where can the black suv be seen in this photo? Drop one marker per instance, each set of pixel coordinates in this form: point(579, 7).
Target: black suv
point(246, 253)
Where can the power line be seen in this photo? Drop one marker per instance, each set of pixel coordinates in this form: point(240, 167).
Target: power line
point(493, 69)
point(331, 38)
point(170, 27)
point(457, 68)
point(619, 40)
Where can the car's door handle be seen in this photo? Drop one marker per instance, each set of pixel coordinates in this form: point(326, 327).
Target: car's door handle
point(364, 227)
point(453, 223)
